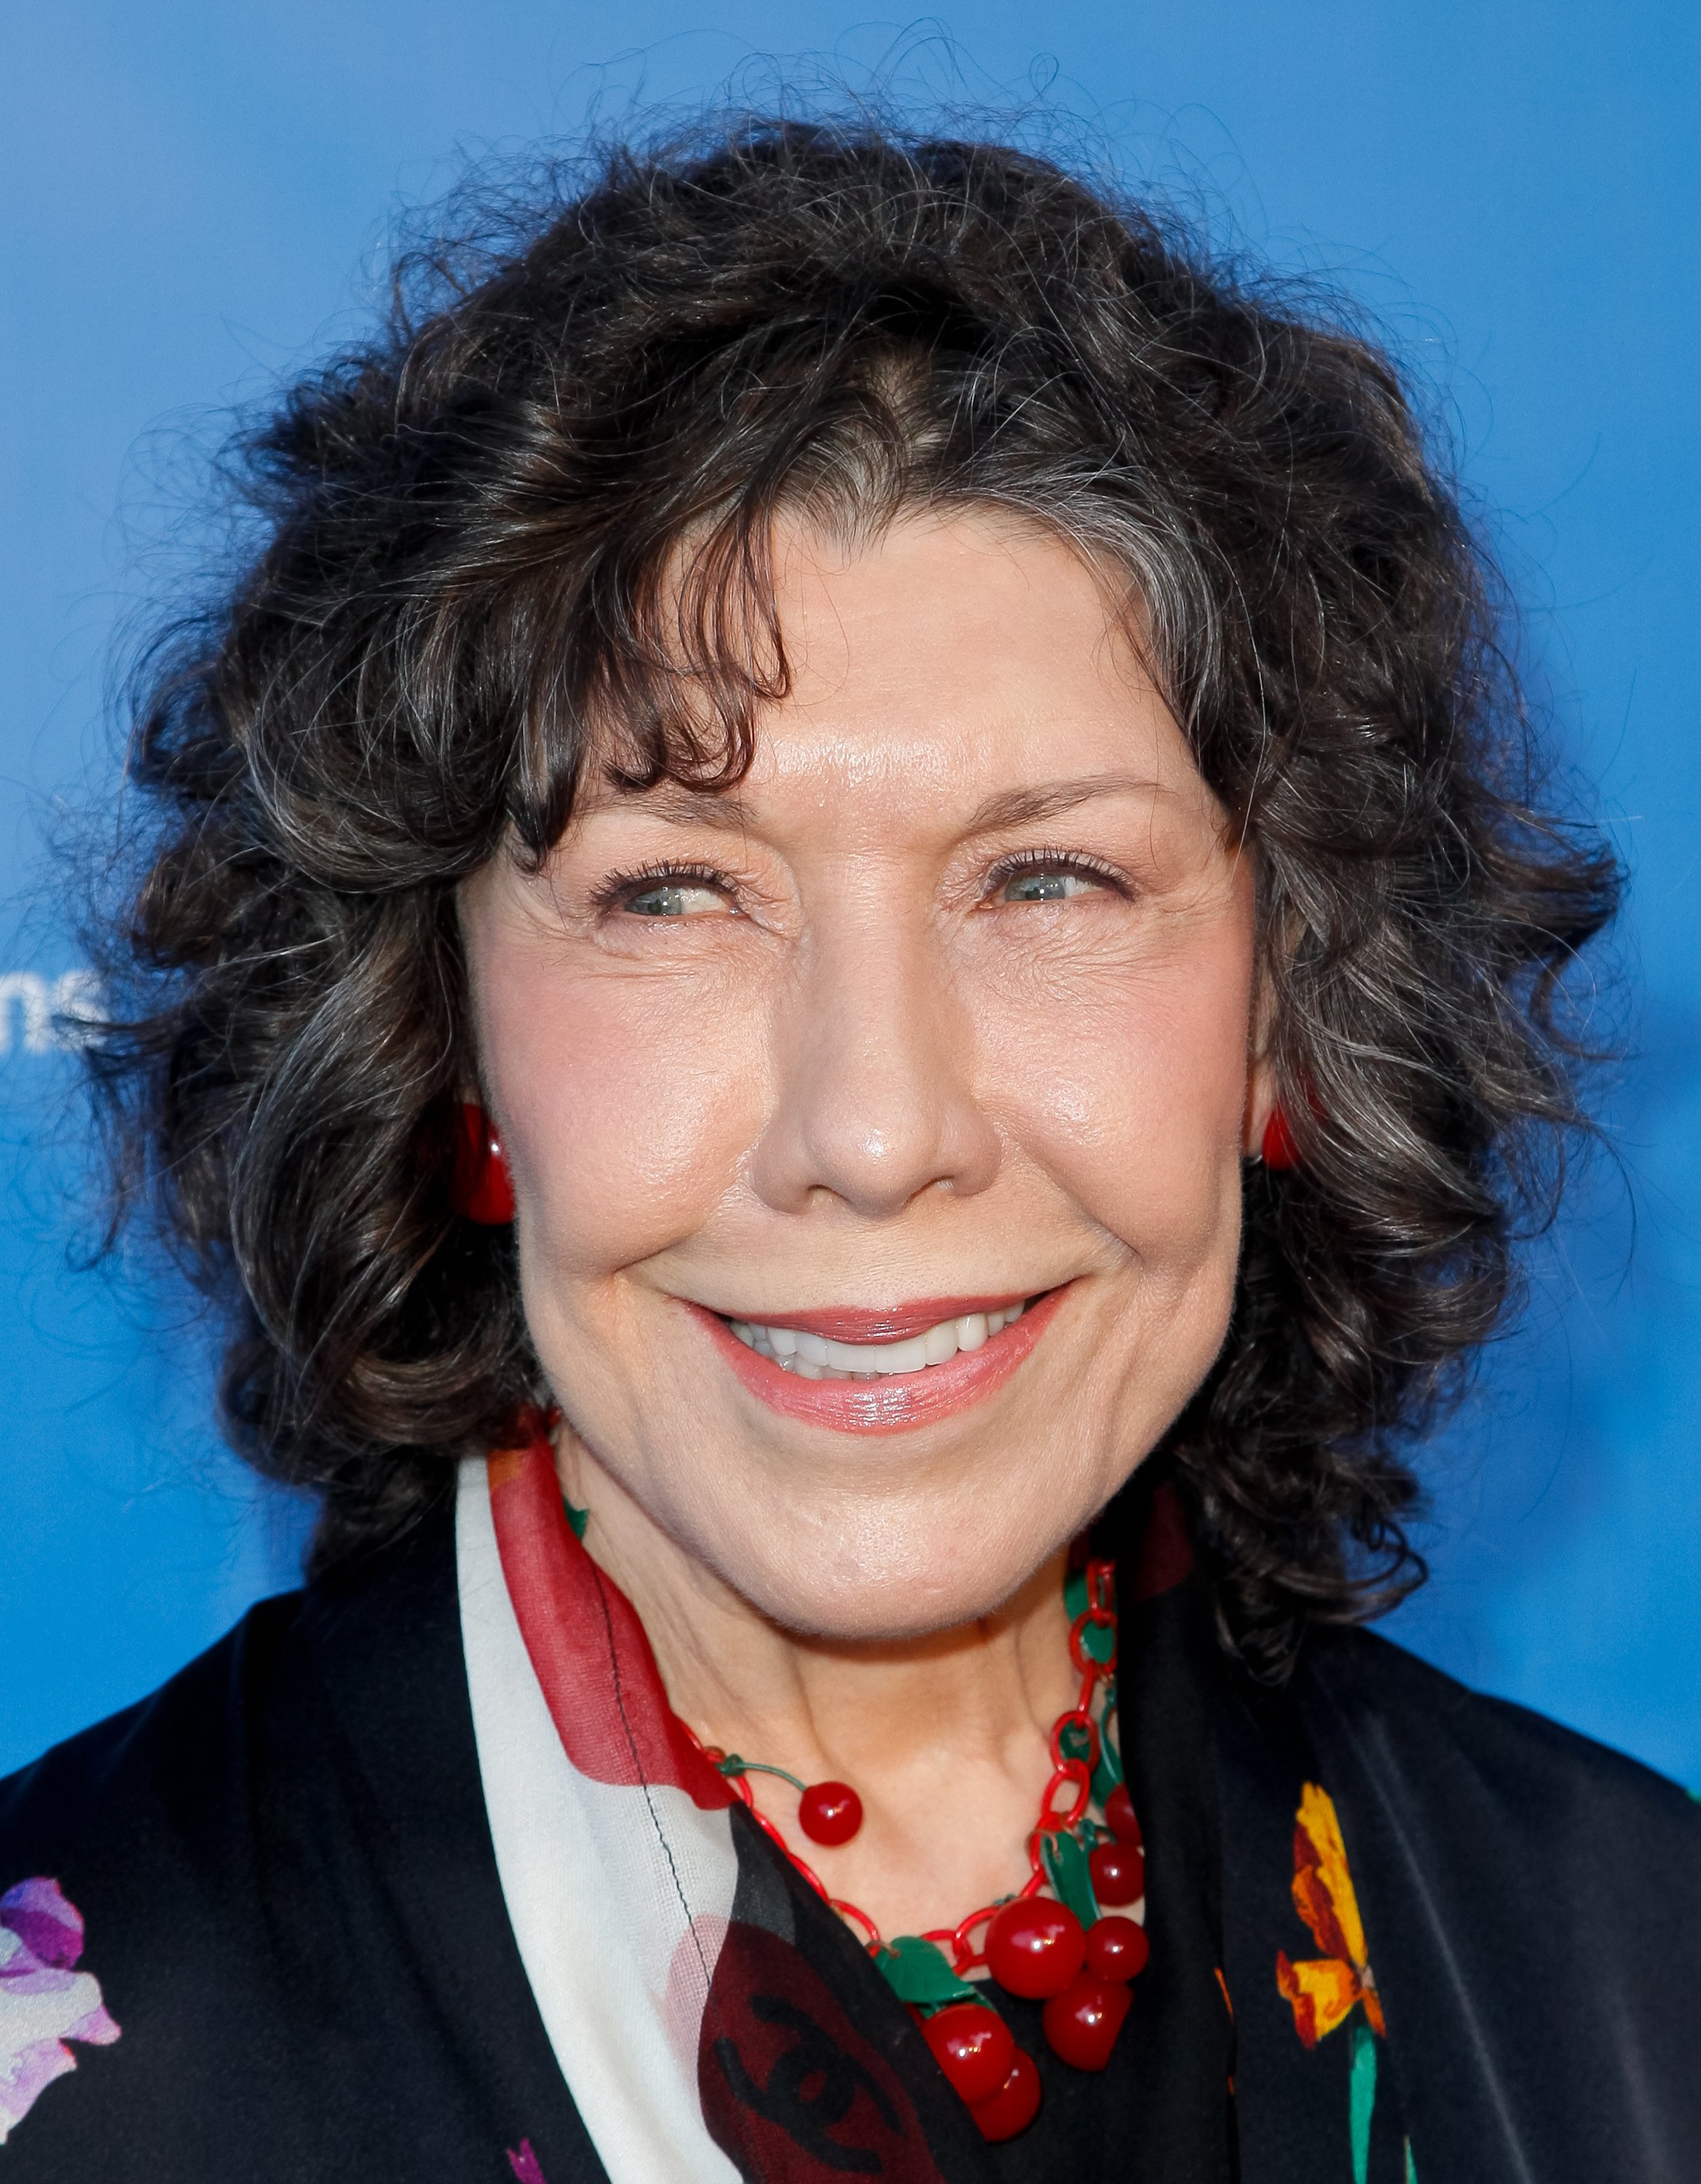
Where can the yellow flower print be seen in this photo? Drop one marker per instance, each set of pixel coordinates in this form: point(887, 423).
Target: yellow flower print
point(1324, 1991)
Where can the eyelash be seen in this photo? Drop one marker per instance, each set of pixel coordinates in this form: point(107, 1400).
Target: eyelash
point(1054, 860)
point(618, 888)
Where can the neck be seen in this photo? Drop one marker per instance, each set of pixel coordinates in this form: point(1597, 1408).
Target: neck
point(944, 1736)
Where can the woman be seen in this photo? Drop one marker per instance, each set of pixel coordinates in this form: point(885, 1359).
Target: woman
point(847, 972)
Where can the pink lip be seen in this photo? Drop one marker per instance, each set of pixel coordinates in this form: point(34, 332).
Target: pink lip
point(907, 1399)
point(847, 1323)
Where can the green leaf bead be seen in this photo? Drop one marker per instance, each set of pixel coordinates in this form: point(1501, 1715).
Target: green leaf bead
point(1070, 1875)
point(919, 1972)
point(1109, 1771)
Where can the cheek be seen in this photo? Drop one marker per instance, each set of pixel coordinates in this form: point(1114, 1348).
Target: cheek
point(1133, 1102)
point(627, 1106)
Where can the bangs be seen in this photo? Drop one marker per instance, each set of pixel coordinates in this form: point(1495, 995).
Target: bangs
point(623, 615)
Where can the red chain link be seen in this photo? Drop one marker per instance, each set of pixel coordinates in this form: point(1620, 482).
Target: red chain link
point(1076, 1717)
point(871, 1932)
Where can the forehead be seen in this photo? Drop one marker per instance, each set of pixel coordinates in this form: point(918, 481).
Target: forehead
point(957, 657)
point(944, 628)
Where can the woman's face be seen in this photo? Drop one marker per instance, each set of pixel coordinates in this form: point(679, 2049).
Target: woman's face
point(945, 1010)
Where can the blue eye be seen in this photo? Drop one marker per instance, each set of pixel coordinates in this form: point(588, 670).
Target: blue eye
point(675, 895)
point(1049, 883)
point(659, 902)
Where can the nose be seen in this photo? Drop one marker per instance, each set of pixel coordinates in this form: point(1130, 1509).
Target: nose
point(875, 1100)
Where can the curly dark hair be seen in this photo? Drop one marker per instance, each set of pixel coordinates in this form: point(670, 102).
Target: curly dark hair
point(468, 585)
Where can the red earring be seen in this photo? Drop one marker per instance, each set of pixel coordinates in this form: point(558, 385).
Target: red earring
point(1279, 1149)
point(481, 1186)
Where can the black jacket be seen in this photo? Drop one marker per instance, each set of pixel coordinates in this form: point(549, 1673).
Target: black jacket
point(291, 1902)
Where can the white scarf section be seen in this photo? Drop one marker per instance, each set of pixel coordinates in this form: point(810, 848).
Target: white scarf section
point(618, 1896)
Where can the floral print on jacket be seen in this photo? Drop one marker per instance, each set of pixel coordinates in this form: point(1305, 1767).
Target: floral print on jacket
point(1324, 1991)
point(43, 2000)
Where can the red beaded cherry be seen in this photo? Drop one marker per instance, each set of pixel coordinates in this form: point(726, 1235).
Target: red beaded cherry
point(830, 1811)
point(1118, 1873)
point(1036, 1948)
point(1117, 1948)
point(1120, 1813)
point(1014, 2106)
point(973, 2046)
point(1083, 2021)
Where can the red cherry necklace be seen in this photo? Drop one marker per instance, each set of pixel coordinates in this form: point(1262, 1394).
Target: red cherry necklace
point(1060, 1948)
point(827, 1812)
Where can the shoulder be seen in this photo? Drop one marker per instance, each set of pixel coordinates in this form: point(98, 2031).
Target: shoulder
point(1533, 1903)
point(151, 1783)
point(215, 1885)
point(1511, 1769)
point(141, 1825)
point(178, 1786)
point(127, 1905)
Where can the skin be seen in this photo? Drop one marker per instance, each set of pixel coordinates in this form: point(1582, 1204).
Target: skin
point(954, 996)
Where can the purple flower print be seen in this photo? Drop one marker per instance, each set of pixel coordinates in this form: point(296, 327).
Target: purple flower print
point(43, 2002)
point(524, 2164)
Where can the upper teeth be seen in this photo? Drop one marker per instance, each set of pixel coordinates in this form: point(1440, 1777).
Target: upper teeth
point(813, 1357)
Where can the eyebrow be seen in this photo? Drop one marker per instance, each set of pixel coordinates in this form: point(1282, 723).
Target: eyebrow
point(1020, 807)
point(675, 805)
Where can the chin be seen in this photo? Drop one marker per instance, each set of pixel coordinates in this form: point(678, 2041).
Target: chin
point(891, 1586)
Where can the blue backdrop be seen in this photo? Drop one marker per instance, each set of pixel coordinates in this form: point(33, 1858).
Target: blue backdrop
point(196, 196)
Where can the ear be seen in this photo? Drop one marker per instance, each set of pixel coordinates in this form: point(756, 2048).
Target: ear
point(1262, 1104)
point(1261, 1100)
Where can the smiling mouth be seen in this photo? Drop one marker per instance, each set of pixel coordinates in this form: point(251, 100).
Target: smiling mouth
point(910, 1365)
point(812, 1356)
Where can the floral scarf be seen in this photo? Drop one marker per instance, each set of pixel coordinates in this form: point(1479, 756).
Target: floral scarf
point(713, 2021)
